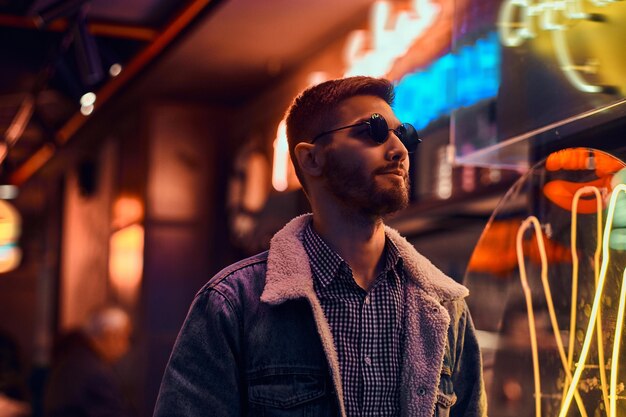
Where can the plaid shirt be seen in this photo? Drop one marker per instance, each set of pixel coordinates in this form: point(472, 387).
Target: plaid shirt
point(367, 327)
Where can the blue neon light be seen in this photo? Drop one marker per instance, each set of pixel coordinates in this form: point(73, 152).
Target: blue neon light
point(455, 80)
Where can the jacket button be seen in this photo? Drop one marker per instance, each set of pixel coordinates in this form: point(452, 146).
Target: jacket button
point(421, 392)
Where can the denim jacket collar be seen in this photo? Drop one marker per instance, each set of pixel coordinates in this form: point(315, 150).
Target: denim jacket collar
point(289, 273)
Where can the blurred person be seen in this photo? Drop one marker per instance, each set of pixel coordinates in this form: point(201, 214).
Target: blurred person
point(13, 392)
point(342, 316)
point(82, 381)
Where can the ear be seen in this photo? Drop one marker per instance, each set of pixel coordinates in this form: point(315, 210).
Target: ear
point(310, 158)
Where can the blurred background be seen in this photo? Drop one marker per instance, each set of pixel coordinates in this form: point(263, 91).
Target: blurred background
point(143, 147)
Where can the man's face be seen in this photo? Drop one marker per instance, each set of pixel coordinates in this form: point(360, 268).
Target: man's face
point(365, 176)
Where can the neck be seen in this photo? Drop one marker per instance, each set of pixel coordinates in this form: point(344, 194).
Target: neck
point(358, 239)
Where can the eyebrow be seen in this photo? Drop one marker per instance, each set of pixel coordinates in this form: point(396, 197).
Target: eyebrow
point(362, 119)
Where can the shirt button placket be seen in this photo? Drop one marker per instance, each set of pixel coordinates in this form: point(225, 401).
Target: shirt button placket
point(367, 360)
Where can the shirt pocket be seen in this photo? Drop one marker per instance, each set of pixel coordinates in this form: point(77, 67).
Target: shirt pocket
point(284, 393)
point(446, 396)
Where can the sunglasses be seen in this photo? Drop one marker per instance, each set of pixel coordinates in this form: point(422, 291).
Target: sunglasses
point(378, 130)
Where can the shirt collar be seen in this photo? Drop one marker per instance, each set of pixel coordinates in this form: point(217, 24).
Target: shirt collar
point(394, 260)
point(326, 263)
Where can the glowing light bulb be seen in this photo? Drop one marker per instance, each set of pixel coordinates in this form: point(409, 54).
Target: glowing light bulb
point(88, 99)
point(86, 110)
point(115, 70)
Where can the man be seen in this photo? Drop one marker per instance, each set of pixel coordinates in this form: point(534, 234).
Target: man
point(342, 317)
point(82, 381)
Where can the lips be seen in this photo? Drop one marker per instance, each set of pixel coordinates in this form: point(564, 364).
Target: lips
point(393, 170)
point(398, 172)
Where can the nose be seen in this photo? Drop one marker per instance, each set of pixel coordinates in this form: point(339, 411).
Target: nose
point(396, 150)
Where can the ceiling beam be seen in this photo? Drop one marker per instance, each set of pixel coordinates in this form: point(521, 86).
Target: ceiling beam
point(171, 32)
point(105, 29)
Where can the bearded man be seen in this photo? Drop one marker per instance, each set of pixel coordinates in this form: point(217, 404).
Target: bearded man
point(342, 316)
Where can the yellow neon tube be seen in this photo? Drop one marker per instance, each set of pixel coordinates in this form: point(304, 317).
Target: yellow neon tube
point(596, 265)
point(529, 305)
point(532, 220)
point(616, 344)
point(594, 310)
point(563, 55)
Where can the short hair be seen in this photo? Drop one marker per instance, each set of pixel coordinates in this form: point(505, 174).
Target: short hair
point(313, 111)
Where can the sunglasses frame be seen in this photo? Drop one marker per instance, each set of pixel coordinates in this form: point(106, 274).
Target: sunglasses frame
point(377, 121)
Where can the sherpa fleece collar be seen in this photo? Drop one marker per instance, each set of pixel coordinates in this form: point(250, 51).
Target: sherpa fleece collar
point(289, 272)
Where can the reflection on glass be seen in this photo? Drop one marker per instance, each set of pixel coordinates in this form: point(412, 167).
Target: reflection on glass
point(547, 283)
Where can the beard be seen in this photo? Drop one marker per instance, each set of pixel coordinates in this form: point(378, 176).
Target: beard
point(360, 191)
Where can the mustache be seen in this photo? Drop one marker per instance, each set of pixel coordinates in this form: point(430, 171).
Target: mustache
point(391, 168)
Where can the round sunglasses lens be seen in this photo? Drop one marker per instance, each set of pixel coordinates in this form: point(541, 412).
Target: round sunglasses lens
point(408, 136)
point(378, 128)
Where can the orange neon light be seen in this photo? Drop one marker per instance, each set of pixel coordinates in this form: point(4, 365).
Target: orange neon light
point(492, 241)
point(562, 192)
point(577, 159)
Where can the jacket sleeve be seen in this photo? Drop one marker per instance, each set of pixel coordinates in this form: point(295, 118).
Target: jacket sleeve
point(202, 375)
point(467, 376)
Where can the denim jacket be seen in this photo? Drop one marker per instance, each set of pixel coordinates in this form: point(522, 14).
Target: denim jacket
point(256, 342)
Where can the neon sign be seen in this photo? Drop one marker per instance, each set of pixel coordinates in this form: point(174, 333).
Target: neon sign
point(387, 44)
point(521, 20)
point(609, 385)
point(427, 95)
point(561, 192)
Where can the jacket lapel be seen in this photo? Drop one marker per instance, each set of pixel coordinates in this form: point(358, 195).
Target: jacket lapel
point(289, 277)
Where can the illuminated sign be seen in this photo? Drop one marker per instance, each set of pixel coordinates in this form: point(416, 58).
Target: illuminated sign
point(609, 386)
point(455, 80)
point(521, 20)
point(561, 192)
point(387, 43)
